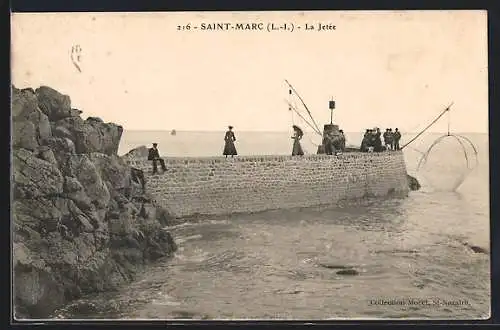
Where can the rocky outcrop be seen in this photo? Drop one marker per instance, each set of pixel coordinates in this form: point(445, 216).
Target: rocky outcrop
point(139, 153)
point(90, 135)
point(413, 183)
point(82, 222)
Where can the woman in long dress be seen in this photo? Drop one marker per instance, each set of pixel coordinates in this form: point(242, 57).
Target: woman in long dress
point(229, 148)
point(297, 136)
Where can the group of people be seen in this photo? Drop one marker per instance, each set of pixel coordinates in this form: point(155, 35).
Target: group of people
point(372, 140)
point(334, 143)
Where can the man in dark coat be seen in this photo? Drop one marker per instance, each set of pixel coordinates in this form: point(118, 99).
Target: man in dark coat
point(342, 140)
point(377, 147)
point(154, 155)
point(397, 137)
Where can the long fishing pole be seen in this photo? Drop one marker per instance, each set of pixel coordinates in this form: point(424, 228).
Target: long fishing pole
point(432, 123)
point(303, 103)
point(291, 107)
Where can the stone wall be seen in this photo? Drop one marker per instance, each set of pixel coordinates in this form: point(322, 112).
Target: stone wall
point(216, 185)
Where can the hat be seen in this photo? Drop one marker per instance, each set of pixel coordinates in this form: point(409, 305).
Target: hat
point(155, 144)
point(230, 127)
point(298, 129)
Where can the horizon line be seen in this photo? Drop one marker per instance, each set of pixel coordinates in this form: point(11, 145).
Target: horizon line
point(280, 131)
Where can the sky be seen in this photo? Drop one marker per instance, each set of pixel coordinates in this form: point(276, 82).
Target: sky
point(385, 69)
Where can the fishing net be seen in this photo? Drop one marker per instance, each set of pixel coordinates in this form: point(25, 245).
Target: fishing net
point(448, 161)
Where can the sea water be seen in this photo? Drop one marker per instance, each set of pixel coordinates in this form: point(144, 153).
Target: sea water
point(411, 255)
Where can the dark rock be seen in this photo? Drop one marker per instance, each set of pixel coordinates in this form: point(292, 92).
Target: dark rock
point(80, 167)
point(476, 249)
point(24, 233)
point(112, 169)
point(75, 112)
point(121, 225)
point(413, 183)
point(53, 104)
point(139, 152)
point(160, 242)
point(163, 216)
point(74, 191)
point(96, 119)
point(72, 185)
point(62, 149)
point(347, 272)
point(36, 292)
point(69, 126)
point(98, 137)
point(37, 213)
point(34, 177)
point(148, 211)
point(62, 132)
point(137, 177)
point(33, 283)
point(24, 103)
point(25, 109)
point(78, 221)
point(120, 200)
point(91, 135)
point(333, 266)
point(47, 154)
point(24, 135)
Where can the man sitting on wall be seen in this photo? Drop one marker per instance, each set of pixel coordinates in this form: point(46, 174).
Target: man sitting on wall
point(154, 155)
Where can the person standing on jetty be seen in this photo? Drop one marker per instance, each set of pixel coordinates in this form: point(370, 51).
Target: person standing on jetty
point(391, 139)
point(342, 141)
point(328, 142)
point(397, 137)
point(297, 136)
point(377, 147)
point(365, 144)
point(154, 155)
point(388, 139)
point(372, 137)
point(229, 148)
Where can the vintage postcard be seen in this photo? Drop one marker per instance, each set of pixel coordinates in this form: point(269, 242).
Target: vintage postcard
point(250, 165)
